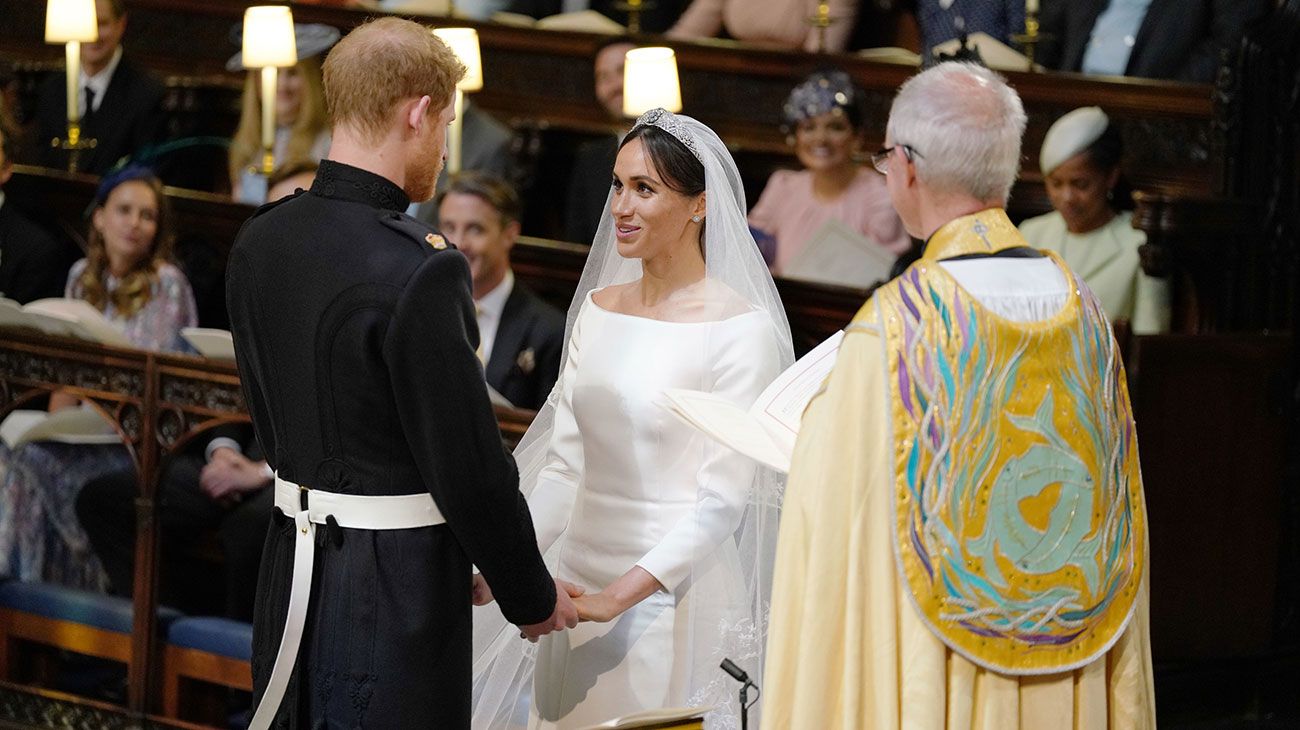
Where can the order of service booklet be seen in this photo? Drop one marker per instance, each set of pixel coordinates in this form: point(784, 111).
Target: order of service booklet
point(678, 718)
point(766, 431)
point(78, 425)
point(62, 317)
point(839, 255)
point(214, 344)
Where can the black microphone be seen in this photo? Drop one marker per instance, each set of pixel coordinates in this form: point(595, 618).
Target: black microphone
point(736, 672)
point(741, 676)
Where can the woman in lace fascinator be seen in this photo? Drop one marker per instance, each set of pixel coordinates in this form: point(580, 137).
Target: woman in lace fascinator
point(664, 535)
point(823, 122)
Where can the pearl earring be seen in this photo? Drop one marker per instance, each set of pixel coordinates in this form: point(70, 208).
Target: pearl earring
point(695, 218)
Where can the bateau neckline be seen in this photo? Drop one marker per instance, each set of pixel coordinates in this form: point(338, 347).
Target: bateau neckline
point(591, 299)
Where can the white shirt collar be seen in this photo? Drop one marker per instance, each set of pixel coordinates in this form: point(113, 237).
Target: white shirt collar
point(99, 82)
point(494, 302)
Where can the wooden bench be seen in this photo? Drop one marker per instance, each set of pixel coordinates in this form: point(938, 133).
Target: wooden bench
point(205, 650)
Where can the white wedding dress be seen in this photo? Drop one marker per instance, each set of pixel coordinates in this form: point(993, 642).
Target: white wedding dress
point(626, 483)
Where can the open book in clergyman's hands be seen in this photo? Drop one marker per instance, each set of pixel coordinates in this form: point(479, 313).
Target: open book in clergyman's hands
point(766, 431)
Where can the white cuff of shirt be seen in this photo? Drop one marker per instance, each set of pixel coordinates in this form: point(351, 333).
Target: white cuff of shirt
point(268, 471)
point(221, 442)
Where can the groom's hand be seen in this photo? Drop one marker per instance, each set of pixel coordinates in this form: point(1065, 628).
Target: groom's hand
point(480, 592)
point(565, 615)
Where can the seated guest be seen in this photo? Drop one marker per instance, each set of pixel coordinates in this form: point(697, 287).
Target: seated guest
point(943, 20)
point(824, 122)
point(775, 22)
point(119, 103)
point(219, 487)
point(32, 264)
point(1080, 160)
point(128, 276)
point(288, 180)
point(301, 125)
point(1159, 39)
point(593, 162)
point(520, 336)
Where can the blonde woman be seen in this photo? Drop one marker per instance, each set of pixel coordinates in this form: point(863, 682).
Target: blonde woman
point(301, 122)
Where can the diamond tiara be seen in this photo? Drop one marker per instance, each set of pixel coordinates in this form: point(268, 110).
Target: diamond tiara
point(667, 121)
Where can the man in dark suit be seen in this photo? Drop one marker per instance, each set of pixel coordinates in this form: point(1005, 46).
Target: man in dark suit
point(521, 336)
point(1160, 39)
point(32, 264)
point(120, 103)
point(355, 337)
point(220, 486)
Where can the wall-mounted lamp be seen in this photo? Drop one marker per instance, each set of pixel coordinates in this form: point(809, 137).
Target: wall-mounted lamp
point(72, 22)
point(464, 43)
point(650, 81)
point(269, 45)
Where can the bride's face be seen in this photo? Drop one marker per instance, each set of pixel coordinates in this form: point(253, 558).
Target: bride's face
point(650, 218)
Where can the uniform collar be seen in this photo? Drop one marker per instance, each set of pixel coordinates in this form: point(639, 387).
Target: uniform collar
point(985, 232)
point(345, 182)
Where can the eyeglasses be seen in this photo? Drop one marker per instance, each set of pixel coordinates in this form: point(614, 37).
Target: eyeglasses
point(880, 159)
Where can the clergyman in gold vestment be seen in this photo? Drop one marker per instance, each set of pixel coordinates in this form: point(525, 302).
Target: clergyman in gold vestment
point(963, 536)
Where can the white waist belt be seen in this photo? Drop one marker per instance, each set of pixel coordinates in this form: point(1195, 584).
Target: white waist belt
point(311, 507)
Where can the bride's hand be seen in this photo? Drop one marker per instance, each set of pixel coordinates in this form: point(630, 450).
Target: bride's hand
point(633, 587)
point(599, 607)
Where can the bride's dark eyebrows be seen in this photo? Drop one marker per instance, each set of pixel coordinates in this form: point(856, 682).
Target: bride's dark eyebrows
point(636, 178)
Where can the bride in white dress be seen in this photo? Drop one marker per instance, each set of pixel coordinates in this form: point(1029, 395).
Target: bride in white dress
point(667, 535)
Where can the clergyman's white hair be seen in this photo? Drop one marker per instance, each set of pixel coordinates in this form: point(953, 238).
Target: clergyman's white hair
point(965, 124)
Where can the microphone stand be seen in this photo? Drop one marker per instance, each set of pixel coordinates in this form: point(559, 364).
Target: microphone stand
point(741, 676)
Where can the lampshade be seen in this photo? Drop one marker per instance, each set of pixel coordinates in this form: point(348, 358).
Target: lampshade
point(650, 81)
point(268, 37)
point(464, 43)
point(71, 20)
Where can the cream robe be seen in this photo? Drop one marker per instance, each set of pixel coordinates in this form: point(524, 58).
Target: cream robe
point(846, 648)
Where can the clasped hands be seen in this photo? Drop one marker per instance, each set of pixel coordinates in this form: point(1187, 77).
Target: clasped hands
point(573, 604)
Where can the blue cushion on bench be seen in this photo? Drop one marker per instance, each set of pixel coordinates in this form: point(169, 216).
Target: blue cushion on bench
point(110, 613)
point(233, 639)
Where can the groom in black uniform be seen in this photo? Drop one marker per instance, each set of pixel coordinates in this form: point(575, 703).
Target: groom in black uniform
point(355, 334)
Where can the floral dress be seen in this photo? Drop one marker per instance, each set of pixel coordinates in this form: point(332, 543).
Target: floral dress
point(40, 536)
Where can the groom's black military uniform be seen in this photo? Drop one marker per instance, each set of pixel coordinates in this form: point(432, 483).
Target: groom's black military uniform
point(355, 335)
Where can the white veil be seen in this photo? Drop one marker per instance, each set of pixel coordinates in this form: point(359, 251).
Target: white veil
point(503, 662)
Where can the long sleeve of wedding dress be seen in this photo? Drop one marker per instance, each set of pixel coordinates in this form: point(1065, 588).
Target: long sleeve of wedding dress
point(743, 366)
